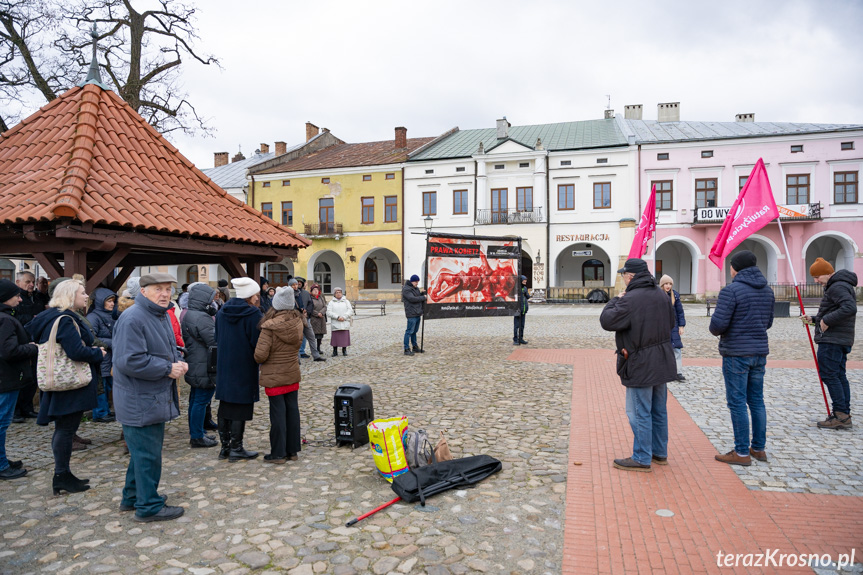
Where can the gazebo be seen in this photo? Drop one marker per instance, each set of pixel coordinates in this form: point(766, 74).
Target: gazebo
point(88, 182)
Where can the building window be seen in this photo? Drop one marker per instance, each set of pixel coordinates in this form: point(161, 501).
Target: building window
point(499, 166)
point(287, 213)
point(325, 180)
point(847, 145)
point(390, 177)
point(459, 202)
point(191, 274)
point(368, 210)
point(367, 177)
point(459, 168)
point(429, 172)
point(601, 160)
point(706, 153)
point(499, 205)
point(429, 203)
point(663, 156)
point(524, 199)
point(664, 194)
point(267, 209)
point(741, 183)
point(601, 195)
point(705, 193)
point(266, 184)
point(286, 182)
point(797, 188)
point(797, 149)
point(566, 197)
point(326, 214)
point(845, 187)
point(524, 165)
point(566, 162)
point(391, 208)
point(324, 277)
point(592, 271)
point(396, 273)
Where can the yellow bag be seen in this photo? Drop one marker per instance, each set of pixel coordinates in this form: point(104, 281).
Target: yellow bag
point(387, 437)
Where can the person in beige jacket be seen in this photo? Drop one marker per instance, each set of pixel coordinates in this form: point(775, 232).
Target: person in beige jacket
point(278, 353)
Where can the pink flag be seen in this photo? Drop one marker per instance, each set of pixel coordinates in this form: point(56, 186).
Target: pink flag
point(753, 209)
point(646, 227)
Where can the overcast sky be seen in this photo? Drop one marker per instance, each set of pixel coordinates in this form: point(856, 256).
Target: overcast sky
point(362, 68)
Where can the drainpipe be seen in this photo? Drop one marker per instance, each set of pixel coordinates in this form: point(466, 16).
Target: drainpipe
point(548, 262)
point(402, 220)
point(251, 198)
point(475, 169)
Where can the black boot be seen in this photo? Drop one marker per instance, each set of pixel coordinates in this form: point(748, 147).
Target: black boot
point(66, 482)
point(335, 352)
point(237, 451)
point(344, 351)
point(209, 424)
point(84, 481)
point(225, 437)
point(320, 351)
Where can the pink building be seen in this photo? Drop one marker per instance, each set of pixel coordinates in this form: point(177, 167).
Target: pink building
point(700, 167)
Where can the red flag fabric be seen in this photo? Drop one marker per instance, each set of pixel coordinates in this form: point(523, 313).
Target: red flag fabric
point(646, 227)
point(753, 209)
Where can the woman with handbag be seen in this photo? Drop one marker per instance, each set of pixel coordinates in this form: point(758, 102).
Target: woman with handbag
point(318, 319)
point(17, 356)
point(199, 334)
point(339, 311)
point(61, 329)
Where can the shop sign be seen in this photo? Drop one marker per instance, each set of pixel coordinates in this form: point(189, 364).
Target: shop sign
point(785, 211)
point(582, 238)
point(582, 253)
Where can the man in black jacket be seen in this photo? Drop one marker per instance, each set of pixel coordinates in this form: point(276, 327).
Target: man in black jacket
point(303, 302)
point(24, 312)
point(642, 318)
point(834, 333)
point(414, 299)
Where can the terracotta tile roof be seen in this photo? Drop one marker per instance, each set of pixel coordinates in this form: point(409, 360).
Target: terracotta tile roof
point(88, 156)
point(350, 155)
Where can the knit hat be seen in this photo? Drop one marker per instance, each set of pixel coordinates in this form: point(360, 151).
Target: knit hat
point(223, 283)
point(8, 290)
point(415, 278)
point(53, 285)
point(246, 287)
point(742, 260)
point(293, 282)
point(821, 267)
point(284, 298)
point(134, 287)
point(666, 279)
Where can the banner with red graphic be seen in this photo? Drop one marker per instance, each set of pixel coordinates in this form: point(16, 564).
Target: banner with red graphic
point(646, 227)
point(753, 209)
point(472, 276)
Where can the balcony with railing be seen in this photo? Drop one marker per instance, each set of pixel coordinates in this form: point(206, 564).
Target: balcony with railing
point(533, 216)
point(322, 229)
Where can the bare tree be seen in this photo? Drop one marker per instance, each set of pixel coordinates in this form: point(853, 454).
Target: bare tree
point(140, 53)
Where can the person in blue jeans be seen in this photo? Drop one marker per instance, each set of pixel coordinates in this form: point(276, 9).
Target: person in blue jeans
point(102, 320)
point(413, 299)
point(744, 313)
point(641, 317)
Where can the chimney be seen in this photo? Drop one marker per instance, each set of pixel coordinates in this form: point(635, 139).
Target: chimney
point(668, 112)
point(609, 114)
point(311, 131)
point(632, 111)
point(265, 148)
point(744, 118)
point(220, 159)
point(503, 128)
point(238, 157)
point(401, 138)
point(281, 148)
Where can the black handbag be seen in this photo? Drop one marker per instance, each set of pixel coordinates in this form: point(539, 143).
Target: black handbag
point(211, 359)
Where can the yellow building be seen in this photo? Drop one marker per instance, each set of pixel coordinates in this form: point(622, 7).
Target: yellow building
point(348, 199)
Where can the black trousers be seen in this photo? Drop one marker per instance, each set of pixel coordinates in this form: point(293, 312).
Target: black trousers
point(25, 397)
point(65, 428)
point(284, 425)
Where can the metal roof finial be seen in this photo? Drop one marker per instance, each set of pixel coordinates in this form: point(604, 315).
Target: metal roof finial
point(93, 75)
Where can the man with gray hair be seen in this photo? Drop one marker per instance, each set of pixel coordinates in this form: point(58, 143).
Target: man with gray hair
point(147, 365)
point(24, 312)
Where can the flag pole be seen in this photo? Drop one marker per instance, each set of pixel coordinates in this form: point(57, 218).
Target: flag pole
point(803, 312)
point(655, 233)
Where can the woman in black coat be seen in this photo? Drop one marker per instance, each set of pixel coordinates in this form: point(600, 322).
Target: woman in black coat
point(65, 408)
point(199, 334)
point(17, 356)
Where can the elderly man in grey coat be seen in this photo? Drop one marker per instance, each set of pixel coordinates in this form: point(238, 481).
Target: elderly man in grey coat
point(147, 365)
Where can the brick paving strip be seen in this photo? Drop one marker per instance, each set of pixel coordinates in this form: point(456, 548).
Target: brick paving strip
point(612, 524)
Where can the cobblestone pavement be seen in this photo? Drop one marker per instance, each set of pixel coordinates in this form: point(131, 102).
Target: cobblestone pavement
point(251, 516)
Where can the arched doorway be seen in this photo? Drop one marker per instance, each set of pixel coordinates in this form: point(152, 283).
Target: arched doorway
point(527, 268)
point(278, 274)
point(323, 276)
point(573, 270)
point(191, 274)
point(381, 269)
point(675, 259)
point(765, 253)
point(327, 269)
point(370, 274)
point(837, 250)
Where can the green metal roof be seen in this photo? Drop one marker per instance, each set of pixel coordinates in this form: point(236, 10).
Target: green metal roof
point(554, 137)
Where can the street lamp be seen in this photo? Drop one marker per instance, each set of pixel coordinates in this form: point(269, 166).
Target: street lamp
point(427, 222)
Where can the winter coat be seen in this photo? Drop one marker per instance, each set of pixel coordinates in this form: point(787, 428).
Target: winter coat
point(304, 301)
point(743, 314)
point(28, 308)
point(413, 299)
point(523, 296)
point(144, 351)
point(340, 308)
point(102, 322)
point(266, 302)
point(199, 333)
point(236, 337)
point(17, 353)
point(319, 324)
point(679, 320)
point(278, 348)
point(77, 343)
point(838, 309)
point(175, 326)
point(642, 319)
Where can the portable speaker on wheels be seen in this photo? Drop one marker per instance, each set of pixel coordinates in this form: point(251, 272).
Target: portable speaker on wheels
point(354, 410)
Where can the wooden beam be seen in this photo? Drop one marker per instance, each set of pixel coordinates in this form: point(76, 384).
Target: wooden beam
point(104, 268)
point(253, 270)
point(50, 263)
point(121, 278)
point(74, 262)
point(232, 266)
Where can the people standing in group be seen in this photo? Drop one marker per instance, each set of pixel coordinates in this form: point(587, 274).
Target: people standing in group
point(667, 284)
point(414, 300)
point(17, 358)
point(834, 333)
point(743, 314)
point(521, 313)
point(277, 352)
point(102, 322)
point(199, 334)
point(339, 311)
point(641, 317)
point(237, 335)
point(65, 408)
point(31, 304)
point(318, 317)
point(265, 302)
point(183, 302)
point(306, 308)
point(147, 365)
